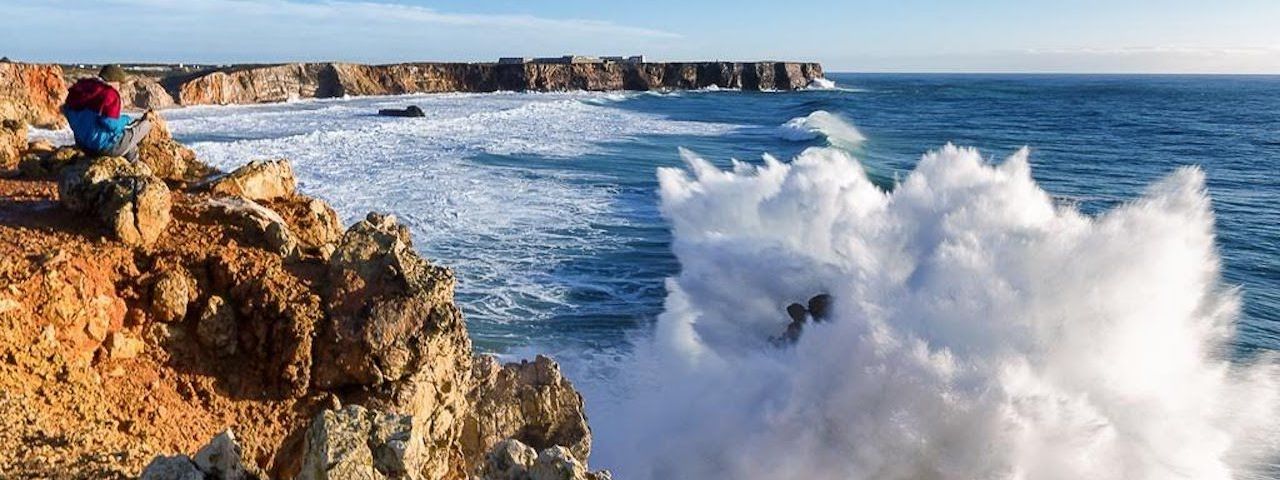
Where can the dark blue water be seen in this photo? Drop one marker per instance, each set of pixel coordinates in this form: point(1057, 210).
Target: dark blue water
point(1096, 140)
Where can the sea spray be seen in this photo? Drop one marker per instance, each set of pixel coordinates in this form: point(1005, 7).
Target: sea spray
point(979, 331)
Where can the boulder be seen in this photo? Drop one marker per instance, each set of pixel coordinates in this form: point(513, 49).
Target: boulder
point(40, 163)
point(41, 146)
point(357, 443)
point(144, 93)
point(216, 329)
point(32, 93)
point(528, 401)
point(221, 459)
point(177, 467)
point(258, 180)
point(13, 140)
point(170, 295)
point(513, 460)
point(134, 205)
point(317, 227)
point(258, 223)
point(135, 209)
point(167, 158)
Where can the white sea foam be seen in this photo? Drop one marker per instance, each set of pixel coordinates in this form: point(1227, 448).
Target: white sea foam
point(979, 331)
point(821, 84)
point(504, 227)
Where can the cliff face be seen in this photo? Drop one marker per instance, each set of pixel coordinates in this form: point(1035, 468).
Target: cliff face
point(144, 309)
point(32, 93)
point(277, 83)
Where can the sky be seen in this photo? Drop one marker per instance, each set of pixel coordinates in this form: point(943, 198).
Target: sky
point(1112, 36)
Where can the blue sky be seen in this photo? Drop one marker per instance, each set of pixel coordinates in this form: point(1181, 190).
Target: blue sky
point(1232, 36)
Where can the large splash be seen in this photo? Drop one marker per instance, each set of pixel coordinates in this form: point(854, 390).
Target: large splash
point(979, 330)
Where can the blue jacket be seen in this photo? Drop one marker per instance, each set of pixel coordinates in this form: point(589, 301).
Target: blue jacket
point(95, 132)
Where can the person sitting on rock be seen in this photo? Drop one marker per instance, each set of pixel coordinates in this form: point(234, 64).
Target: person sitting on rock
point(93, 111)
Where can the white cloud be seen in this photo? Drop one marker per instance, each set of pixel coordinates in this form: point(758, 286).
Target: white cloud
point(278, 30)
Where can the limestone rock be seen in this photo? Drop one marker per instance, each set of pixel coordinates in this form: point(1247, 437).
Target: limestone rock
point(134, 205)
point(177, 467)
point(77, 300)
point(135, 209)
point(120, 346)
point(394, 337)
point(356, 443)
point(143, 93)
point(258, 180)
point(170, 295)
point(318, 226)
point(13, 140)
point(529, 401)
point(512, 460)
point(39, 163)
point(167, 158)
point(221, 458)
point(41, 146)
point(216, 329)
point(32, 93)
point(257, 222)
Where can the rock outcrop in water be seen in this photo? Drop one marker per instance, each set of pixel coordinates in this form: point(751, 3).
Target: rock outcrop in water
point(142, 314)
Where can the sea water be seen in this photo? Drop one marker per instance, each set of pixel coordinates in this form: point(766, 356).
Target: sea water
point(1035, 276)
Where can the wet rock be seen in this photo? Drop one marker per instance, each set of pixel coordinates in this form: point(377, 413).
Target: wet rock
point(170, 295)
point(167, 158)
point(216, 329)
point(797, 312)
point(820, 307)
point(410, 111)
point(119, 346)
point(258, 180)
point(357, 443)
point(13, 140)
point(528, 401)
point(177, 467)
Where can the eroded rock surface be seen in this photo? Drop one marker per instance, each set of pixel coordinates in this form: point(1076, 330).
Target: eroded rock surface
point(13, 142)
point(258, 180)
point(32, 93)
point(167, 158)
point(132, 204)
point(357, 443)
point(513, 460)
point(529, 401)
point(143, 93)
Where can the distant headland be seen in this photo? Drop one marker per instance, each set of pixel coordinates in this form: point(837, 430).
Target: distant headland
point(161, 86)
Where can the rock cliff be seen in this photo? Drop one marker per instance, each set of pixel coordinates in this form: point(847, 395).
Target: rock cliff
point(145, 309)
point(276, 83)
point(32, 93)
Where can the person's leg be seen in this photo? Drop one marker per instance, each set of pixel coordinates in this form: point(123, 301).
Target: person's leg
point(133, 134)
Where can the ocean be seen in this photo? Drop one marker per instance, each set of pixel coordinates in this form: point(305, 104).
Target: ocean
point(1028, 276)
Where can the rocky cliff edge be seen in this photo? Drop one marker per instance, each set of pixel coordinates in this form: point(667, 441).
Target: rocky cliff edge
point(160, 316)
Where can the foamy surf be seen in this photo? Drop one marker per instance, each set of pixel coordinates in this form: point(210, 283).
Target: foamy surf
point(979, 331)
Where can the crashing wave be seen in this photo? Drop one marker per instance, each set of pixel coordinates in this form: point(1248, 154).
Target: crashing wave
point(821, 123)
point(979, 331)
point(821, 84)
